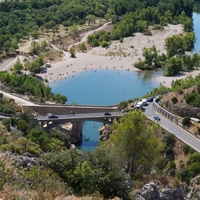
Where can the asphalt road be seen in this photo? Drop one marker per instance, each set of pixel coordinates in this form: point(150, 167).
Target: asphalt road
point(82, 116)
point(180, 133)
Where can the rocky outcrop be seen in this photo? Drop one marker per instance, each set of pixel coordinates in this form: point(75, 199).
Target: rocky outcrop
point(25, 160)
point(194, 188)
point(105, 131)
point(74, 129)
point(180, 108)
point(150, 191)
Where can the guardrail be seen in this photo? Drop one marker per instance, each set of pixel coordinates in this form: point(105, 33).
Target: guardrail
point(173, 118)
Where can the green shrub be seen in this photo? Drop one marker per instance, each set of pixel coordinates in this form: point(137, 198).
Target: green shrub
point(172, 172)
point(186, 120)
point(171, 165)
point(168, 138)
point(169, 151)
point(174, 100)
point(184, 175)
point(180, 91)
point(105, 44)
point(186, 149)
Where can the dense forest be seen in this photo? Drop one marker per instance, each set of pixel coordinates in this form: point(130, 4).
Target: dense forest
point(21, 19)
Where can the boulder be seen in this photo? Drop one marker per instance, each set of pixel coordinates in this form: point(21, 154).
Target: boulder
point(150, 191)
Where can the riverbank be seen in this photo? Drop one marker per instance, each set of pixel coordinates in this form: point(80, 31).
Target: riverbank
point(119, 56)
point(166, 81)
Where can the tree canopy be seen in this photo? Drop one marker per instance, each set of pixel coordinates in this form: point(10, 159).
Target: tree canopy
point(135, 143)
point(21, 19)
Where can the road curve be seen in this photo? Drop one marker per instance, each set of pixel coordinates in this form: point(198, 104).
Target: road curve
point(20, 101)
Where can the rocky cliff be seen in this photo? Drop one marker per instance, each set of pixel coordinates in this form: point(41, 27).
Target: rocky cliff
point(151, 191)
point(180, 108)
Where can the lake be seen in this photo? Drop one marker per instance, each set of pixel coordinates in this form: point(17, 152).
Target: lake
point(109, 87)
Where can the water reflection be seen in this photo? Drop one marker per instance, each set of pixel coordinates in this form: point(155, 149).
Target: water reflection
point(197, 7)
point(148, 75)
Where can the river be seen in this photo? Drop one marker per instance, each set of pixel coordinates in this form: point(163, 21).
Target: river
point(109, 87)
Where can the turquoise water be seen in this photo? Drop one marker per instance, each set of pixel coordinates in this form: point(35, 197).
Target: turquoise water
point(103, 87)
point(109, 87)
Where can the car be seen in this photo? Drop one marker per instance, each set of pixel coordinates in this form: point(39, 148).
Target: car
point(53, 116)
point(150, 99)
point(140, 108)
point(107, 113)
point(157, 118)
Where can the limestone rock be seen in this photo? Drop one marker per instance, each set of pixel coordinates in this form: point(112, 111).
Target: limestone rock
point(25, 160)
point(150, 191)
point(105, 131)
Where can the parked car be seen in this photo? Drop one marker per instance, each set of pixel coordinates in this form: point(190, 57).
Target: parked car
point(150, 99)
point(53, 116)
point(157, 118)
point(140, 108)
point(107, 113)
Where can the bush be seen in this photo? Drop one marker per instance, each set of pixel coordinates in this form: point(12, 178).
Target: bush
point(174, 100)
point(184, 175)
point(186, 120)
point(168, 138)
point(169, 151)
point(180, 91)
point(171, 165)
point(105, 44)
point(172, 172)
point(186, 149)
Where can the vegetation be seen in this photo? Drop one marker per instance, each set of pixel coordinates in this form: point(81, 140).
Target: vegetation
point(152, 59)
point(133, 140)
point(19, 20)
point(27, 85)
point(135, 151)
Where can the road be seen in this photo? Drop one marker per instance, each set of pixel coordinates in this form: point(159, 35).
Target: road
point(80, 117)
point(19, 100)
point(180, 133)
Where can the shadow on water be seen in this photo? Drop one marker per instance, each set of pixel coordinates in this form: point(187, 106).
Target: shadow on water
point(149, 74)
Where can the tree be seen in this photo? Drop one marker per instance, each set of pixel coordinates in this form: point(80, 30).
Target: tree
point(73, 31)
point(150, 54)
point(82, 46)
point(174, 66)
point(61, 98)
point(193, 164)
point(22, 125)
point(188, 63)
point(35, 66)
point(18, 66)
point(84, 178)
point(186, 120)
point(72, 52)
point(35, 47)
point(90, 18)
point(135, 143)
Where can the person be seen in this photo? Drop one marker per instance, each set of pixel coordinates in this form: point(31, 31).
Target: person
point(72, 112)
